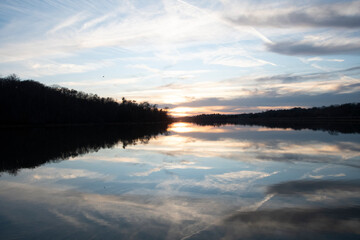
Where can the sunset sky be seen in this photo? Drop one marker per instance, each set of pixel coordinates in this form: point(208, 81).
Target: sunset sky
point(191, 56)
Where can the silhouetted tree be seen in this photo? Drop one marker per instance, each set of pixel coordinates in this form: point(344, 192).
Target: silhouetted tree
point(28, 102)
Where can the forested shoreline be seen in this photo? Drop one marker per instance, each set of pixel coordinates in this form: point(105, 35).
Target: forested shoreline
point(27, 102)
point(344, 118)
point(343, 112)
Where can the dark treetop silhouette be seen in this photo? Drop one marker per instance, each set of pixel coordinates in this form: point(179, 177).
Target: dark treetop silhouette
point(28, 102)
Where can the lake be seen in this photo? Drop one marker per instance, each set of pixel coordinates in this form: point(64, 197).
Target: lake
point(186, 182)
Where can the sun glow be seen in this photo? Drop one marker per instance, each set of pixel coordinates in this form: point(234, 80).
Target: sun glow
point(191, 111)
point(181, 111)
point(181, 127)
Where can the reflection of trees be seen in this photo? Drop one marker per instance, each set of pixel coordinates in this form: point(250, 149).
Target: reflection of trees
point(333, 127)
point(31, 147)
point(329, 125)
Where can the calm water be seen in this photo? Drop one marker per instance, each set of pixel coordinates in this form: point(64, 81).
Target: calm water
point(195, 182)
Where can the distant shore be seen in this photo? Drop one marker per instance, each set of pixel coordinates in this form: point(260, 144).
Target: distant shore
point(343, 118)
point(279, 119)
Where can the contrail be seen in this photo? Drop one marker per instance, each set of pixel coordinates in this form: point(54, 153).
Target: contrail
point(256, 205)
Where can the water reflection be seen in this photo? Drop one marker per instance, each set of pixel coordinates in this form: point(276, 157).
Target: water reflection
point(289, 223)
point(333, 126)
point(196, 182)
point(183, 127)
point(31, 147)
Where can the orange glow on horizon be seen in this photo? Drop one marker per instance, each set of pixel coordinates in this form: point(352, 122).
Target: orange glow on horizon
point(193, 111)
point(182, 111)
point(184, 127)
point(181, 127)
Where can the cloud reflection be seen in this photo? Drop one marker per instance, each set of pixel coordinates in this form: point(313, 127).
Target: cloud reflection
point(171, 166)
point(50, 173)
point(88, 215)
point(318, 190)
point(288, 223)
point(257, 144)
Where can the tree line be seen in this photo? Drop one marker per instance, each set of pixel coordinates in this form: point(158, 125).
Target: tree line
point(344, 118)
point(343, 111)
point(27, 102)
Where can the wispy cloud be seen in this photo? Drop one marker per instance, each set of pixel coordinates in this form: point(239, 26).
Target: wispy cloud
point(317, 76)
point(173, 22)
point(163, 73)
point(71, 21)
point(319, 59)
point(107, 82)
point(41, 68)
point(233, 56)
point(179, 51)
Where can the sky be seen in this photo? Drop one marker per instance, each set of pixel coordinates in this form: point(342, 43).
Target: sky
point(213, 56)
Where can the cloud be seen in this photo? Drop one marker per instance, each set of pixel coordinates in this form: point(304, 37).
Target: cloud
point(269, 100)
point(283, 20)
point(169, 74)
point(284, 90)
point(319, 59)
point(233, 56)
point(73, 20)
point(314, 48)
point(164, 25)
point(196, 38)
point(286, 78)
point(258, 93)
point(334, 15)
point(39, 68)
point(107, 82)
